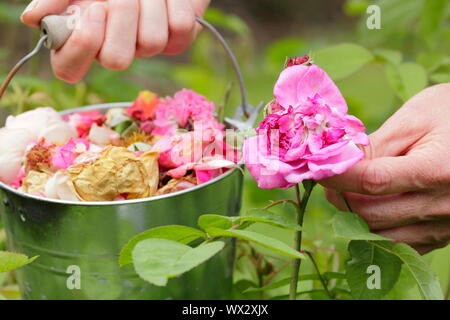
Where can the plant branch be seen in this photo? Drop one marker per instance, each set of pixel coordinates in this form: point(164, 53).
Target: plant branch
point(274, 203)
point(276, 272)
point(322, 280)
point(309, 185)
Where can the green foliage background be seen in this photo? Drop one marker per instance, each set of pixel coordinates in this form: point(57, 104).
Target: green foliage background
point(377, 70)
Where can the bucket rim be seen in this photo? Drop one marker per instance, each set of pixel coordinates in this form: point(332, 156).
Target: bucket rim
point(6, 187)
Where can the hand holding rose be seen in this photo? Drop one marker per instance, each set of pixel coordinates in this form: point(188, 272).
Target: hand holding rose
point(402, 187)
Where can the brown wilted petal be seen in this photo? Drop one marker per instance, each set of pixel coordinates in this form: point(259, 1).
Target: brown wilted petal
point(117, 172)
point(34, 182)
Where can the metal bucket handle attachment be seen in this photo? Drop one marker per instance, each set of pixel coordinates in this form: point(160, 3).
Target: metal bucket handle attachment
point(55, 31)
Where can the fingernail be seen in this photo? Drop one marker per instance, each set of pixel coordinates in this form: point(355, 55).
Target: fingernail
point(30, 7)
point(97, 13)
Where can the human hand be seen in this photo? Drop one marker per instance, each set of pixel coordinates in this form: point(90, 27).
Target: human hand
point(402, 187)
point(116, 31)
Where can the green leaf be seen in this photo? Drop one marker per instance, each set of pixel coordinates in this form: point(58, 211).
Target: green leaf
point(230, 22)
point(391, 56)
point(342, 60)
point(216, 221)
point(157, 260)
point(433, 60)
point(11, 260)
point(365, 254)
point(286, 47)
point(302, 277)
point(263, 240)
point(440, 77)
point(355, 7)
point(350, 226)
point(406, 79)
point(433, 15)
point(425, 278)
point(181, 234)
point(268, 217)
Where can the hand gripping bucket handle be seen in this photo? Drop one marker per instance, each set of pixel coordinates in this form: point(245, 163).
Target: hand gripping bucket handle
point(55, 31)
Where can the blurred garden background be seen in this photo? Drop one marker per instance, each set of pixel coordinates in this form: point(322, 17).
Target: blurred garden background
point(377, 70)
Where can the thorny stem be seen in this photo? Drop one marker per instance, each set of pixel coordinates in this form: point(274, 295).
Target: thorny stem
point(322, 280)
point(309, 185)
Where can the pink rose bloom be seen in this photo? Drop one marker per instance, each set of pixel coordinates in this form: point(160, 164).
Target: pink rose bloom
point(83, 121)
point(64, 156)
point(186, 110)
point(205, 169)
point(309, 135)
point(202, 151)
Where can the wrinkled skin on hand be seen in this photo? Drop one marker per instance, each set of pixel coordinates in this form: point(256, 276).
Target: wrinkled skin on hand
point(402, 187)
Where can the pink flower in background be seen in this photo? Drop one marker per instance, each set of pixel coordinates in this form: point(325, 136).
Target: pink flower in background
point(309, 135)
point(186, 110)
point(83, 121)
point(203, 151)
point(144, 107)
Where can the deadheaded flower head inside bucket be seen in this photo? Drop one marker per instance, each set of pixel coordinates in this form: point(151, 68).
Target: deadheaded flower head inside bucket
point(306, 136)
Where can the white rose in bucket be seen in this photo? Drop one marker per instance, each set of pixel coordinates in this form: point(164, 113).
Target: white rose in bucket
point(58, 188)
point(43, 123)
point(13, 143)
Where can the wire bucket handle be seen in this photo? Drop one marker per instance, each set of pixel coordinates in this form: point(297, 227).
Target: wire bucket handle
point(55, 32)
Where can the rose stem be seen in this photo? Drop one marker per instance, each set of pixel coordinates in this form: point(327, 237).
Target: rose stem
point(322, 280)
point(309, 185)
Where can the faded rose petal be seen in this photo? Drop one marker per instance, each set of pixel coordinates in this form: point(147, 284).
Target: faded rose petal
point(103, 135)
point(13, 143)
point(57, 187)
point(43, 123)
point(83, 121)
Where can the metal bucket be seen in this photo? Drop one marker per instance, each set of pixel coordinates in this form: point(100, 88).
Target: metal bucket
point(89, 236)
point(86, 237)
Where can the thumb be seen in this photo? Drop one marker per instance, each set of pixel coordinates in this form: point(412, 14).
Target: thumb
point(38, 9)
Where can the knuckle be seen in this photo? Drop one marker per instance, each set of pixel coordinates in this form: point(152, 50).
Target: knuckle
point(375, 179)
point(66, 75)
point(123, 6)
point(182, 25)
point(150, 46)
point(116, 61)
point(83, 41)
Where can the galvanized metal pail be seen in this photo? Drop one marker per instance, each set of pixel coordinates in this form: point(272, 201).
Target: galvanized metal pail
point(83, 239)
point(89, 236)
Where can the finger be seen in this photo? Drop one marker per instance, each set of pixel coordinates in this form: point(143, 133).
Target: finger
point(38, 9)
point(181, 26)
point(200, 7)
point(74, 59)
point(428, 248)
point(119, 47)
point(419, 234)
point(386, 175)
point(382, 212)
point(153, 32)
